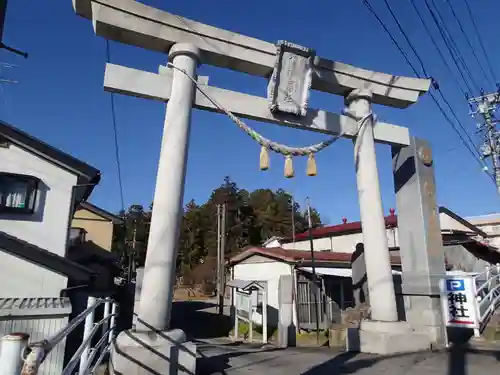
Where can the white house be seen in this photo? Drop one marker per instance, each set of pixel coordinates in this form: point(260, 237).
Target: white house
point(343, 237)
point(40, 187)
point(335, 249)
point(268, 264)
point(490, 224)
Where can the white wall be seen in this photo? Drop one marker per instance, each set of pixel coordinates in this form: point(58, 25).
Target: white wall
point(490, 224)
point(262, 269)
point(46, 228)
point(338, 244)
point(346, 243)
point(448, 223)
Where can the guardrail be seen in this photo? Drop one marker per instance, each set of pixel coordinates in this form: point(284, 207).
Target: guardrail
point(487, 295)
point(88, 356)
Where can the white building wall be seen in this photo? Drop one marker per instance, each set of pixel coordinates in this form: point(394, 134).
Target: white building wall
point(490, 224)
point(46, 228)
point(493, 232)
point(449, 223)
point(338, 244)
point(263, 269)
point(346, 243)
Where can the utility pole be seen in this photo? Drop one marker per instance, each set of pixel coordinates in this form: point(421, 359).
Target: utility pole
point(217, 260)
point(221, 261)
point(293, 219)
point(316, 289)
point(131, 269)
point(221, 246)
point(486, 105)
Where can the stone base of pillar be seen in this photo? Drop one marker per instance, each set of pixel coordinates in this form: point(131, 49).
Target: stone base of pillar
point(428, 320)
point(287, 332)
point(387, 338)
point(146, 353)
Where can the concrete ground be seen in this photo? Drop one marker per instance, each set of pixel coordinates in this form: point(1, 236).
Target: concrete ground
point(319, 361)
point(200, 321)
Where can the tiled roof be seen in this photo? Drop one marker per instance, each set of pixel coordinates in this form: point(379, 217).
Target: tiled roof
point(296, 256)
point(38, 147)
point(354, 227)
point(88, 176)
point(391, 221)
point(101, 212)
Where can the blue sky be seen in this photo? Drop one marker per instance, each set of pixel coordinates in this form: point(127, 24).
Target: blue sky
point(60, 99)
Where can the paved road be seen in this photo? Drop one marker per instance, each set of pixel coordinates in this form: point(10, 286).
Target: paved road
point(200, 321)
point(323, 361)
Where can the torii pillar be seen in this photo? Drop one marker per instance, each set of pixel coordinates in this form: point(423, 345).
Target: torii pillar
point(383, 333)
point(152, 344)
point(419, 236)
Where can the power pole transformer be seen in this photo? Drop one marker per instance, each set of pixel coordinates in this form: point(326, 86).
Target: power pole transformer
point(485, 106)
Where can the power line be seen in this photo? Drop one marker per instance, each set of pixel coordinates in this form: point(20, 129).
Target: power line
point(115, 133)
point(474, 151)
point(455, 79)
point(437, 89)
point(406, 38)
point(468, 42)
point(478, 34)
point(458, 121)
point(450, 43)
point(447, 118)
point(423, 69)
point(403, 53)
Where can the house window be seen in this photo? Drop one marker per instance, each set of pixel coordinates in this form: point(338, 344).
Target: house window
point(17, 193)
point(77, 236)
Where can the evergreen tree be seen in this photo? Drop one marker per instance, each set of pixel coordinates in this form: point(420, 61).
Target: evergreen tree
point(251, 218)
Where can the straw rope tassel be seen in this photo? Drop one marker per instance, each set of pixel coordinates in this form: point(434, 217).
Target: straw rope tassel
point(264, 159)
point(289, 172)
point(311, 169)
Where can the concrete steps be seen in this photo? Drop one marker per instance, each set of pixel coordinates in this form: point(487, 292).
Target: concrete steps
point(481, 343)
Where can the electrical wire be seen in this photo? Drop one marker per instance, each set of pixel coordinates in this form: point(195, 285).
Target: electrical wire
point(403, 53)
point(452, 74)
point(449, 42)
point(458, 121)
point(406, 38)
point(447, 45)
point(424, 70)
point(474, 151)
point(115, 134)
point(468, 41)
point(480, 39)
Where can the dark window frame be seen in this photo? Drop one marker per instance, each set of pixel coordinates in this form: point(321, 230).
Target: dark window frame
point(82, 234)
point(32, 183)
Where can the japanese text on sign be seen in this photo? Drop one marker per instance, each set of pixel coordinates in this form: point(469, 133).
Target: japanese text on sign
point(458, 302)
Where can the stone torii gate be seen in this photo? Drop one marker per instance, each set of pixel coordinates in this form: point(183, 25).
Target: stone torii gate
point(188, 44)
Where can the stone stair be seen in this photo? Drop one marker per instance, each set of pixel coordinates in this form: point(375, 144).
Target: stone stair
point(490, 337)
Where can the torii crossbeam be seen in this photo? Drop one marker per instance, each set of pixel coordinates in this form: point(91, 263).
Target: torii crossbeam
point(133, 23)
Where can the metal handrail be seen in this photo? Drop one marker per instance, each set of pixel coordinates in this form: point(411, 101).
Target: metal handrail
point(76, 358)
point(35, 353)
point(94, 351)
point(72, 325)
point(487, 294)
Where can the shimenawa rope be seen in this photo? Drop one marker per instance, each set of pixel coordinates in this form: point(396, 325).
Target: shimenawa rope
point(279, 148)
